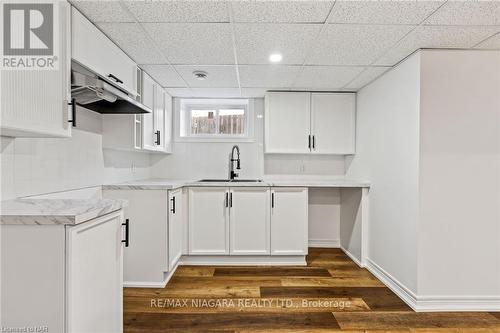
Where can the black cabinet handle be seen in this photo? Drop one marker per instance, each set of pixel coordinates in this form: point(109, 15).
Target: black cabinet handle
point(157, 137)
point(314, 141)
point(73, 112)
point(272, 200)
point(117, 80)
point(231, 199)
point(173, 205)
point(309, 145)
point(127, 232)
point(227, 199)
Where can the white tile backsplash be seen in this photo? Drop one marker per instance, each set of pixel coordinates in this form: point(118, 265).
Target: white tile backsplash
point(32, 166)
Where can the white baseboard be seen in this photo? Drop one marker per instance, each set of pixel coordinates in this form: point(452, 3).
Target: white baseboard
point(434, 303)
point(202, 260)
point(149, 284)
point(328, 243)
point(352, 257)
point(398, 288)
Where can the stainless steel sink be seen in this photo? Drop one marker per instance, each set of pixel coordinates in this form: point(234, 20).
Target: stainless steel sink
point(230, 181)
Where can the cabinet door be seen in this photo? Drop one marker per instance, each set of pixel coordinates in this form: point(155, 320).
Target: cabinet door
point(289, 221)
point(159, 118)
point(249, 220)
point(148, 119)
point(333, 122)
point(97, 52)
point(208, 220)
point(287, 122)
point(167, 137)
point(34, 103)
point(175, 228)
point(94, 275)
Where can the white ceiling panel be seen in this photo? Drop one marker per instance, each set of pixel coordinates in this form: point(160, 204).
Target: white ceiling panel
point(194, 43)
point(255, 42)
point(180, 92)
point(365, 77)
point(281, 11)
point(273, 76)
point(326, 77)
point(165, 75)
point(436, 37)
point(253, 92)
point(218, 76)
point(492, 43)
point(382, 12)
point(346, 44)
point(103, 11)
point(467, 13)
point(133, 40)
point(179, 11)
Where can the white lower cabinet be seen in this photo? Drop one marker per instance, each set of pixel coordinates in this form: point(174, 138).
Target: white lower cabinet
point(208, 220)
point(289, 220)
point(95, 276)
point(249, 220)
point(156, 234)
point(175, 228)
point(65, 278)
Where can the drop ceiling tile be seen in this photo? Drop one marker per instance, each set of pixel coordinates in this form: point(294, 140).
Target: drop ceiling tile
point(103, 11)
point(492, 43)
point(268, 76)
point(255, 42)
point(218, 76)
point(253, 92)
point(194, 43)
point(347, 44)
point(365, 77)
point(382, 12)
point(436, 37)
point(281, 11)
point(179, 92)
point(133, 41)
point(467, 13)
point(179, 11)
point(326, 77)
point(165, 75)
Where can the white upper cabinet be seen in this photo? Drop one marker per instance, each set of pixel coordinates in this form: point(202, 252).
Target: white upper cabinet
point(249, 221)
point(287, 122)
point(333, 123)
point(157, 125)
point(91, 48)
point(35, 103)
point(303, 123)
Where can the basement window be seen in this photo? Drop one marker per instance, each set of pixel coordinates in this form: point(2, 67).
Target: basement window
point(214, 120)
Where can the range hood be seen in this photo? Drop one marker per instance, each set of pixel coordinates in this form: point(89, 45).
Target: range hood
point(100, 94)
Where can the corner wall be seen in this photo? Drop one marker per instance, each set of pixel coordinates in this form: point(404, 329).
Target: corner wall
point(387, 139)
point(458, 231)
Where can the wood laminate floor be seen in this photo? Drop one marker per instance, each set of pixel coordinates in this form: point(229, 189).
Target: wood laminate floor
point(331, 294)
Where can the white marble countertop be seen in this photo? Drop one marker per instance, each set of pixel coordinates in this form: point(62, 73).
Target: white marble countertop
point(170, 184)
point(56, 211)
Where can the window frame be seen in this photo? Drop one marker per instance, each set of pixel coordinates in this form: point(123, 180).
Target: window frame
point(183, 120)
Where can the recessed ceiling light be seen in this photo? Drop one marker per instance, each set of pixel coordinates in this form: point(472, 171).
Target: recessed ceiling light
point(200, 75)
point(275, 57)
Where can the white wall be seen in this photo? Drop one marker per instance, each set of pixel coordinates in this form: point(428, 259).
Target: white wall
point(194, 160)
point(458, 231)
point(37, 166)
point(387, 156)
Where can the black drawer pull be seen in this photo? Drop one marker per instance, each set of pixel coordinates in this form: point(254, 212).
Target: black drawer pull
point(127, 232)
point(73, 112)
point(117, 80)
point(173, 205)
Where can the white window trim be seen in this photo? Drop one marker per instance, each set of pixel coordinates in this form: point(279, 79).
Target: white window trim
point(249, 137)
